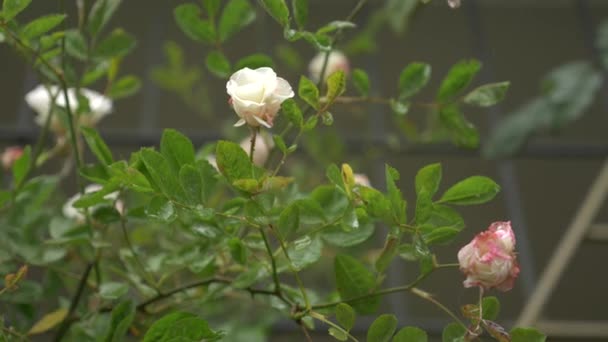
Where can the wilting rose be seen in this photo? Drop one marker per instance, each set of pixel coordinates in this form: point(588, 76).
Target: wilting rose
point(454, 3)
point(10, 155)
point(77, 214)
point(263, 146)
point(40, 99)
point(489, 260)
point(336, 61)
point(256, 95)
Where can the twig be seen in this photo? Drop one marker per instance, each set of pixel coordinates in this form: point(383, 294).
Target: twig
point(67, 321)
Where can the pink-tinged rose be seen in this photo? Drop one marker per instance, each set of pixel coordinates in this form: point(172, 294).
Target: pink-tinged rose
point(256, 95)
point(41, 98)
point(489, 261)
point(454, 3)
point(336, 61)
point(263, 146)
point(10, 156)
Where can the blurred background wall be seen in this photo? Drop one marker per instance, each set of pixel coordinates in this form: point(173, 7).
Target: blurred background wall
point(517, 40)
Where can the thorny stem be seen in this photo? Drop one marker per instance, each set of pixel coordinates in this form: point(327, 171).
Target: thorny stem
point(254, 135)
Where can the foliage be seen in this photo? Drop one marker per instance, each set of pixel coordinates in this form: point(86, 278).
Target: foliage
point(170, 243)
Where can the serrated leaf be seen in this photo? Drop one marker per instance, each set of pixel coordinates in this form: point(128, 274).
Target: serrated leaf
point(97, 145)
point(300, 12)
point(161, 209)
point(177, 149)
point(188, 18)
point(124, 87)
point(232, 161)
point(354, 280)
point(462, 132)
point(289, 221)
point(472, 190)
point(336, 85)
point(116, 45)
point(192, 183)
point(218, 64)
point(42, 25)
point(293, 113)
point(411, 334)
point(398, 204)
point(237, 14)
point(308, 92)
point(382, 329)
point(48, 321)
point(429, 178)
point(278, 10)
point(100, 14)
point(161, 173)
point(346, 316)
point(181, 326)
point(458, 78)
point(413, 78)
point(361, 81)
point(487, 95)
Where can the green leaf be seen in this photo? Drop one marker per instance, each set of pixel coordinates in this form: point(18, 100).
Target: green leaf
point(10, 8)
point(177, 149)
point(487, 95)
point(280, 143)
point(181, 326)
point(458, 78)
point(122, 316)
point(346, 316)
point(305, 252)
point(254, 61)
point(113, 290)
point(472, 190)
point(429, 178)
point(97, 145)
point(278, 10)
point(218, 64)
point(124, 87)
point(289, 221)
point(441, 235)
point(398, 204)
point(462, 132)
point(192, 183)
point(382, 329)
point(162, 173)
point(116, 45)
point(361, 81)
point(300, 12)
point(398, 13)
point(336, 85)
point(344, 235)
point(490, 308)
point(527, 335)
point(413, 78)
point(188, 18)
point(21, 166)
point(76, 45)
point(237, 15)
point(293, 113)
point(411, 334)
point(40, 26)
point(100, 14)
point(212, 7)
point(354, 280)
point(232, 161)
point(453, 332)
point(308, 92)
point(337, 334)
point(238, 250)
point(161, 209)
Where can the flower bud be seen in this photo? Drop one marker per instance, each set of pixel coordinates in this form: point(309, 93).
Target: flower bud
point(40, 99)
point(454, 3)
point(489, 260)
point(336, 61)
point(256, 95)
point(263, 146)
point(10, 155)
point(362, 179)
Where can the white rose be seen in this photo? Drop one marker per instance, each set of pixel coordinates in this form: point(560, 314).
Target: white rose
point(39, 99)
point(362, 179)
point(454, 3)
point(78, 214)
point(263, 146)
point(336, 61)
point(256, 95)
